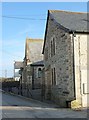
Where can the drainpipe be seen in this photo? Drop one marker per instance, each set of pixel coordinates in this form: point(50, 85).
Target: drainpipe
point(80, 69)
point(73, 35)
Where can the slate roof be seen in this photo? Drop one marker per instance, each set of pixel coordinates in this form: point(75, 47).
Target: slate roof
point(18, 64)
point(38, 63)
point(70, 21)
point(73, 21)
point(33, 50)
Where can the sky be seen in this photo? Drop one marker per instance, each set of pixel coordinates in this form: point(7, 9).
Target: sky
point(23, 20)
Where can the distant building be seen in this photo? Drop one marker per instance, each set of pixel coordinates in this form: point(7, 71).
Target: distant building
point(17, 66)
point(32, 66)
point(65, 58)
point(33, 50)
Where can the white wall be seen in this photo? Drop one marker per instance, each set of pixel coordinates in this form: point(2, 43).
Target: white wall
point(81, 69)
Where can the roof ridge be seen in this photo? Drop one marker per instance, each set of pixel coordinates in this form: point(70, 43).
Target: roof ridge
point(34, 39)
point(73, 12)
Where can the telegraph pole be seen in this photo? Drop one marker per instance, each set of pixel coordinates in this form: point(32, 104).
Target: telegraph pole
point(5, 73)
point(14, 69)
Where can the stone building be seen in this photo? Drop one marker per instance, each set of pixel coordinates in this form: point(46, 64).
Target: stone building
point(32, 66)
point(36, 71)
point(65, 58)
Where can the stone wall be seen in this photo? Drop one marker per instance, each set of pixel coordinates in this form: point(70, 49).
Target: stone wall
point(36, 78)
point(62, 61)
point(31, 83)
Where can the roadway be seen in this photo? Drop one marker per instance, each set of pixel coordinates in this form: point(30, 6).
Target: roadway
point(19, 107)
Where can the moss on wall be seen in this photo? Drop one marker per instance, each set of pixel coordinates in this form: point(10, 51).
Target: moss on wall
point(75, 104)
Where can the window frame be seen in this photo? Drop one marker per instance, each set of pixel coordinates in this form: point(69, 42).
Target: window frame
point(53, 74)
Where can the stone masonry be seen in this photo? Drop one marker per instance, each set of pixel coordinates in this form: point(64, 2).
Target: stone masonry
point(63, 63)
point(70, 60)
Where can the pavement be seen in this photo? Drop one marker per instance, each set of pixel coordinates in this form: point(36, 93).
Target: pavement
point(18, 107)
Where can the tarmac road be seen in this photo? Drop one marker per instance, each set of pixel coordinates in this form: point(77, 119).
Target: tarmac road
point(18, 107)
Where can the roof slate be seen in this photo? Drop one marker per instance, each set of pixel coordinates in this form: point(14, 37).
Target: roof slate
point(74, 21)
point(33, 50)
point(38, 63)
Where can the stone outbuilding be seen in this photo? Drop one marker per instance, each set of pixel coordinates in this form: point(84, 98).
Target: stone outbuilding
point(65, 52)
point(32, 66)
point(36, 71)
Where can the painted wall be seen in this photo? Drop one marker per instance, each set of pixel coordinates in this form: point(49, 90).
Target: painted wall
point(81, 53)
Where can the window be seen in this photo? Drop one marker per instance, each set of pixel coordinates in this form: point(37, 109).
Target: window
point(46, 53)
point(39, 72)
point(52, 47)
point(53, 76)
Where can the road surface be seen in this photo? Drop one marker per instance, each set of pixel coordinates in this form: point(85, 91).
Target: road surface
point(18, 107)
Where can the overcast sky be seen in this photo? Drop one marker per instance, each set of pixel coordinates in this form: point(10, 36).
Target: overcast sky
point(21, 20)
